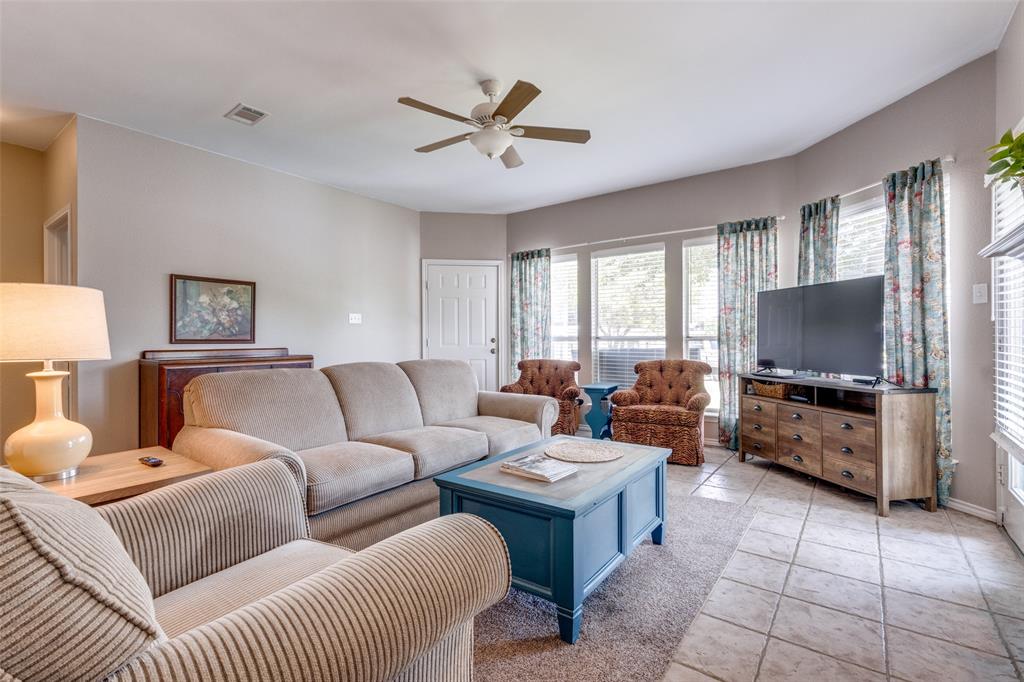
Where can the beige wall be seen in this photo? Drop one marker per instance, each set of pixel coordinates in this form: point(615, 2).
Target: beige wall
point(21, 260)
point(60, 181)
point(462, 236)
point(1010, 74)
point(148, 207)
point(953, 115)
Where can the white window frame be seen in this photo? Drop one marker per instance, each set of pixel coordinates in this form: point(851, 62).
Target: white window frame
point(711, 410)
point(870, 198)
point(561, 258)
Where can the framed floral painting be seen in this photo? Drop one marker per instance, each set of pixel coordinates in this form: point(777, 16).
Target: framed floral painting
point(210, 310)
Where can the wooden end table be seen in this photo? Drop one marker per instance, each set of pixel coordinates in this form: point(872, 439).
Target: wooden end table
point(119, 475)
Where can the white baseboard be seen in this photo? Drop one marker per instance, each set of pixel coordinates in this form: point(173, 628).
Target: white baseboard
point(972, 509)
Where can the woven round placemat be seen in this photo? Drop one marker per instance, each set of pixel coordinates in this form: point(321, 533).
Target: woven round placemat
point(576, 451)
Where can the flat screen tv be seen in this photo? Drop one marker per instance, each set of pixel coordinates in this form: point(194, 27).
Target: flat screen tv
point(834, 327)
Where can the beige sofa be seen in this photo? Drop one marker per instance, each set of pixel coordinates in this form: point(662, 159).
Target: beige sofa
point(363, 440)
point(216, 579)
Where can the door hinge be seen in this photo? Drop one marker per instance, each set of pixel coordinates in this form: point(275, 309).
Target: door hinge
point(1001, 474)
point(426, 285)
point(428, 342)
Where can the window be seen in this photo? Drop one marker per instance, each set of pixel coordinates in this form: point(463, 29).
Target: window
point(860, 242)
point(1008, 313)
point(700, 311)
point(628, 310)
point(564, 327)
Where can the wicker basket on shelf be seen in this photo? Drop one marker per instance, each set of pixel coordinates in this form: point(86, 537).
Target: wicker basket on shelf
point(779, 391)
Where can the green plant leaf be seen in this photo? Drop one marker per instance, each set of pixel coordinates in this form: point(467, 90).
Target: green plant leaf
point(998, 166)
point(1001, 154)
point(1007, 138)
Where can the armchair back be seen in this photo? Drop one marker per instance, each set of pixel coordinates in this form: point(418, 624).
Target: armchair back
point(669, 382)
point(547, 377)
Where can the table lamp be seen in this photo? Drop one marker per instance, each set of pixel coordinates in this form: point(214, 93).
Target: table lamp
point(48, 322)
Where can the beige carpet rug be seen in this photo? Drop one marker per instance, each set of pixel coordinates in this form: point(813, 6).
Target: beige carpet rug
point(633, 622)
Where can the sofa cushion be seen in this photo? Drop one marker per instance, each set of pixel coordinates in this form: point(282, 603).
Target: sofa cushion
point(73, 604)
point(667, 415)
point(221, 593)
point(446, 389)
point(376, 397)
point(344, 472)
point(295, 408)
point(502, 434)
point(435, 448)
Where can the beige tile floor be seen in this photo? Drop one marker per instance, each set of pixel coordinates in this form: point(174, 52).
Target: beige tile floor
point(820, 588)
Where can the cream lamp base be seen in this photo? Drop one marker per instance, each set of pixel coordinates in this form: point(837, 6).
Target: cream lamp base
point(51, 447)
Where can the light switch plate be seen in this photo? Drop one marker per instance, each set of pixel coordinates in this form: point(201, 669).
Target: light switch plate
point(355, 318)
point(979, 293)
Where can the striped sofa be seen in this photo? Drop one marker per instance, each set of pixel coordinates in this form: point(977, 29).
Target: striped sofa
point(216, 579)
point(363, 440)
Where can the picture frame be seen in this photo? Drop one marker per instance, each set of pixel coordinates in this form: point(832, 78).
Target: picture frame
point(212, 310)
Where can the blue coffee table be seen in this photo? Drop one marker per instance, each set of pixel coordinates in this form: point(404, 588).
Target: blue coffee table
point(564, 538)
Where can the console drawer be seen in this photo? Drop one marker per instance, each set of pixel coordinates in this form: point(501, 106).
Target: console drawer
point(805, 418)
point(758, 428)
point(756, 408)
point(759, 446)
point(848, 438)
point(850, 473)
point(800, 455)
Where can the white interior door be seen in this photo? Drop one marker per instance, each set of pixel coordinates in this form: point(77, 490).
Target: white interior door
point(461, 317)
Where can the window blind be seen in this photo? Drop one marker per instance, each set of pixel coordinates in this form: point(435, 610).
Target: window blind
point(860, 242)
point(628, 310)
point(700, 261)
point(564, 329)
point(1008, 315)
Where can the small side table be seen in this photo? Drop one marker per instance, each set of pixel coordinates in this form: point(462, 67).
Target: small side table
point(105, 478)
point(597, 418)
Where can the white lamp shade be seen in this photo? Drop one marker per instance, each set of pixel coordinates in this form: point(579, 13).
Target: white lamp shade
point(52, 322)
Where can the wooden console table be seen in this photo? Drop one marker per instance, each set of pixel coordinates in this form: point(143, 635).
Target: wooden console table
point(878, 441)
point(163, 375)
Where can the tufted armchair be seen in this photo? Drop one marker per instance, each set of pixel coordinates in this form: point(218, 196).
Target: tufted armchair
point(557, 379)
point(664, 408)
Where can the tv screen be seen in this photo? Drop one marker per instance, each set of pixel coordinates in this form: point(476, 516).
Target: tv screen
point(834, 327)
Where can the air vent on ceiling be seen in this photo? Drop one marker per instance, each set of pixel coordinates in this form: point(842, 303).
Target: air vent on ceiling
point(245, 114)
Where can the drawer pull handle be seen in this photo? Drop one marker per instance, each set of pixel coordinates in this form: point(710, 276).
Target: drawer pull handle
point(846, 425)
point(846, 451)
point(758, 427)
point(798, 458)
point(757, 408)
point(797, 416)
point(846, 473)
point(797, 436)
point(757, 446)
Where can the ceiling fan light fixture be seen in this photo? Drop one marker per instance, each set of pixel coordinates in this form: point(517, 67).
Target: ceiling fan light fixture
point(491, 141)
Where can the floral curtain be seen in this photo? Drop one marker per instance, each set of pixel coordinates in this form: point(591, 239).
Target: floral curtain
point(819, 224)
point(746, 265)
point(531, 306)
point(916, 320)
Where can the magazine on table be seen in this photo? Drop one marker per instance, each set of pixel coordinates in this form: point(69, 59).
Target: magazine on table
point(539, 467)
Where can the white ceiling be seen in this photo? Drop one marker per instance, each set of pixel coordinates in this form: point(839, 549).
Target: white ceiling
point(667, 89)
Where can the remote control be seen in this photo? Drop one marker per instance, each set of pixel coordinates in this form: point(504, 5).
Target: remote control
point(151, 461)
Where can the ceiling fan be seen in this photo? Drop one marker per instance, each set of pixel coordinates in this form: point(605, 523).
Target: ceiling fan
point(493, 122)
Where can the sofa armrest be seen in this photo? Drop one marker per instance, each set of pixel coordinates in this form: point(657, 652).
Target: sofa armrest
point(368, 617)
point(223, 449)
point(625, 396)
point(179, 534)
point(698, 401)
point(512, 388)
point(536, 409)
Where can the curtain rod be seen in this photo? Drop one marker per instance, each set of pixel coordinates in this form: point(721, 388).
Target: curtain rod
point(947, 159)
point(642, 236)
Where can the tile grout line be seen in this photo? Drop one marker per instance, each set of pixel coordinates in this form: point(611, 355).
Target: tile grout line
point(785, 581)
point(988, 605)
point(881, 602)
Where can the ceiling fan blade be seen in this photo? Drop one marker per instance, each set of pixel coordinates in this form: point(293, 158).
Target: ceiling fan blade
point(443, 143)
point(556, 134)
point(516, 99)
point(511, 158)
point(430, 109)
